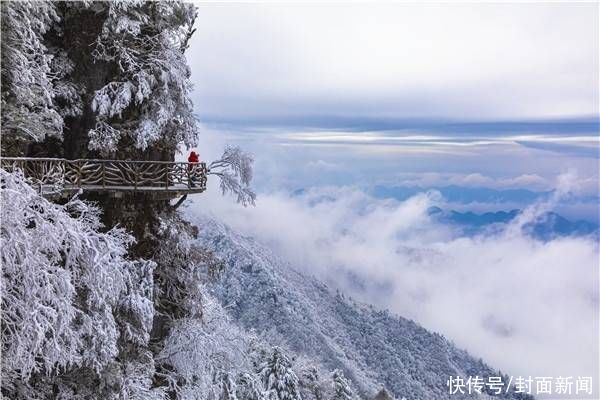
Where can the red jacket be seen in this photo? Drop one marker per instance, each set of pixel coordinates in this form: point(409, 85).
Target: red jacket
point(193, 158)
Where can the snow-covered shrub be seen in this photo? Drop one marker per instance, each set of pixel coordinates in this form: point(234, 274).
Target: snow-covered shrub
point(70, 295)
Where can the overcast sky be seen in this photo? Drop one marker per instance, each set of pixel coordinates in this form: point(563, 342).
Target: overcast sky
point(362, 93)
point(270, 62)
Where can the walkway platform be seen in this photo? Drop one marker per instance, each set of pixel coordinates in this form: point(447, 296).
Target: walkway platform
point(53, 176)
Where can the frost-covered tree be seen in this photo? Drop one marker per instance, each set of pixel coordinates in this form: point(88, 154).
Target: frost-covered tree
point(279, 380)
point(112, 74)
point(342, 389)
point(185, 268)
point(80, 319)
point(313, 386)
point(203, 357)
point(28, 94)
point(234, 169)
point(147, 98)
point(383, 394)
point(71, 298)
point(249, 387)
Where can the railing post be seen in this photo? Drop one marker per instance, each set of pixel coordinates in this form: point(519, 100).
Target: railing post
point(189, 175)
point(103, 174)
point(63, 171)
point(79, 173)
point(135, 170)
point(166, 176)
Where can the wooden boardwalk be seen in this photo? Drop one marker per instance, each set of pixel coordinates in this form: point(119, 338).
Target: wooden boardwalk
point(59, 175)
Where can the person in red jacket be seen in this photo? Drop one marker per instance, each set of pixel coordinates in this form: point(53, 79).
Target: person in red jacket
point(192, 159)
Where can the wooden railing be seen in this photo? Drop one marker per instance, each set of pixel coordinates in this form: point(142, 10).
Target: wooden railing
point(123, 175)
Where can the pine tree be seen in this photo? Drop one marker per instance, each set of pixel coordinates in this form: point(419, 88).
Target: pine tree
point(383, 394)
point(249, 387)
point(226, 387)
point(279, 380)
point(342, 389)
point(312, 387)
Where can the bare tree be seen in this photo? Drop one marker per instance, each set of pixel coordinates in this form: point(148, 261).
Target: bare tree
point(234, 169)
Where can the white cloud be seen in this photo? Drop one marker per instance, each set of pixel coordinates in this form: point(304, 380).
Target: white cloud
point(321, 165)
point(530, 181)
point(579, 185)
point(527, 307)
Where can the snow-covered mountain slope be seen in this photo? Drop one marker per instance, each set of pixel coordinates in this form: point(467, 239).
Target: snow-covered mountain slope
point(374, 347)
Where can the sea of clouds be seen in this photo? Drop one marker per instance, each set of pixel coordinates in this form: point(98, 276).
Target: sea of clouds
point(525, 306)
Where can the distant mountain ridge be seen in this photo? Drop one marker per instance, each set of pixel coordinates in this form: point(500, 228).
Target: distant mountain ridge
point(373, 347)
point(545, 227)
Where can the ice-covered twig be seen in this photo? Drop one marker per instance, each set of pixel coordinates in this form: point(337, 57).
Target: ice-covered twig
point(235, 171)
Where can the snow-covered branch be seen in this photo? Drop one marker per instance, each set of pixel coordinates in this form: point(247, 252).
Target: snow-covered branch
point(69, 292)
point(145, 40)
point(27, 90)
point(235, 171)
